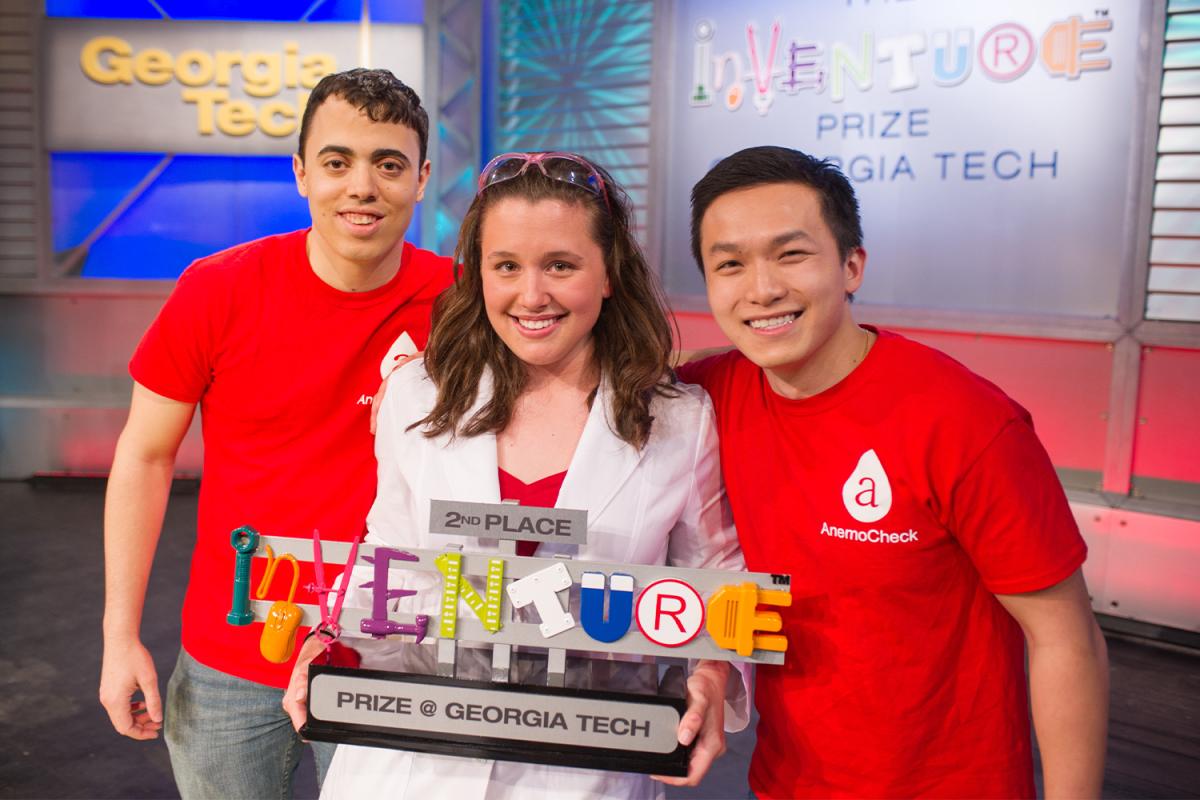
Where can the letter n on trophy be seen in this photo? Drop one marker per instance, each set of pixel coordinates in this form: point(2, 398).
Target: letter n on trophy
point(474, 651)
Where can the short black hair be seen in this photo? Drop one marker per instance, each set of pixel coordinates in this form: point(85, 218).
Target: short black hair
point(757, 166)
point(377, 93)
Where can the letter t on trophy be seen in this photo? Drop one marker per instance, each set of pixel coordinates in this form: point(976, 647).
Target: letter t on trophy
point(541, 589)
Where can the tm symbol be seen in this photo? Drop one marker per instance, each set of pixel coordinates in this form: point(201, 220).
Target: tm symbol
point(1101, 12)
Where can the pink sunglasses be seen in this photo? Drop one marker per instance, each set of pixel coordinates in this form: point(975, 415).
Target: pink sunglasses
point(565, 167)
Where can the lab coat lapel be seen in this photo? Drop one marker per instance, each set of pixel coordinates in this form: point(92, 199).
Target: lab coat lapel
point(465, 469)
point(602, 463)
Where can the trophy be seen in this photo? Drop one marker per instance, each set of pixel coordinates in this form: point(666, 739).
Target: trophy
point(658, 615)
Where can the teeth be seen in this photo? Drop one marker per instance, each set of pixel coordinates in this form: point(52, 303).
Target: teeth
point(535, 324)
point(359, 219)
point(773, 322)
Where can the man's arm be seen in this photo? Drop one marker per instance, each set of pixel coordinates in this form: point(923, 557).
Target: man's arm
point(138, 486)
point(1068, 681)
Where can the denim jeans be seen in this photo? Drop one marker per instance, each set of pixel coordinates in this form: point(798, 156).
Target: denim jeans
point(230, 738)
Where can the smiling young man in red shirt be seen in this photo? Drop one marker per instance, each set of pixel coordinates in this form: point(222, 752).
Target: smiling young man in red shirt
point(281, 342)
point(929, 541)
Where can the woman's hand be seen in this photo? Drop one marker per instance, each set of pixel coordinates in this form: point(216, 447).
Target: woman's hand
point(704, 721)
point(295, 699)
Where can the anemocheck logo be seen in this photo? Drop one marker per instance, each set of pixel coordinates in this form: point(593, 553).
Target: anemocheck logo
point(867, 492)
point(403, 346)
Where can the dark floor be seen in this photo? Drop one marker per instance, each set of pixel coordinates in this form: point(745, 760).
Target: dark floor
point(56, 741)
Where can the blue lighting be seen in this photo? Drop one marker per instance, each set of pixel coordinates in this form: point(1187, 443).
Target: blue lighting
point(397, 12)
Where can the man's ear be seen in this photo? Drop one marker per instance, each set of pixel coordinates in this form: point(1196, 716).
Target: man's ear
point(301, 175)
point(423, 179)
point(853, 269)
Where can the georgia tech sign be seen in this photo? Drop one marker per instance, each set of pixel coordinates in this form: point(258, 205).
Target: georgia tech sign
point(200, 87)
point(205, 78)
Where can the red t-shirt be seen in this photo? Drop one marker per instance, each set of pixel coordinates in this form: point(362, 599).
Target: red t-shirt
point(284, 367)
point(901, 501)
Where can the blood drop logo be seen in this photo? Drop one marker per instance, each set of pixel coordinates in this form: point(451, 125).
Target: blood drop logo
point(403, 346)
point(867, 493)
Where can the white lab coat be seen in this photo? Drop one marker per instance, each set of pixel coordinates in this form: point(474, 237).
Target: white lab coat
point(663, 504)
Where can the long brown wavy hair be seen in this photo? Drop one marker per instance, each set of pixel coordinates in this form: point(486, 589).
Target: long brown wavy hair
point(631, 339)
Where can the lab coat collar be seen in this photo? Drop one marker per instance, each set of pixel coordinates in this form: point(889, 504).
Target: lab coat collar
point(602, 462)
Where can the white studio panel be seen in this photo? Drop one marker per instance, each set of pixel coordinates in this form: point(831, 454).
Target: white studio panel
point(1182, 82)
point(1175, 251)
point(1173, 307)
point(1176, 223)
point(1142, 566)
point(1175, 279)
point(1178, 168)
point(1179, 111)
point(1182, 26)
point(1177, 195)
point(1179, 139)
point(1173, 282)
point(1181, 56)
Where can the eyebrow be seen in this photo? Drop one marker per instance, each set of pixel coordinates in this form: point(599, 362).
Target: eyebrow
point(383, 152)
point(553, 254)
point(776, 241)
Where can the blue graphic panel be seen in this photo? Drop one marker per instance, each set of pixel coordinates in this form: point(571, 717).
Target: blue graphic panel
point(399, 12)
point(85, 187)
point(409, 12)
point(276, 10)
point(337, 11)
point(108, 9)
point(394, 12)
point(199, 205)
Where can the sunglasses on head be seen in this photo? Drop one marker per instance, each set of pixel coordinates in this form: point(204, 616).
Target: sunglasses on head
point(563, 167)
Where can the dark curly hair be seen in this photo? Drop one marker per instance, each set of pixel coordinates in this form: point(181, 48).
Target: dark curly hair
point(377, 93)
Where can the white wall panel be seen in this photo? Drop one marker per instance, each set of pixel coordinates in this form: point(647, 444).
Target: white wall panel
point(1175, 251)
point(1142, 566)
point(1178, 168)
point(1176, 223)
point(1175, 279)
point(1179, 139)
point(1177, 195)
point(1173, 292)
point(1174, 307)
point(1181, 82)
point(1174, 111)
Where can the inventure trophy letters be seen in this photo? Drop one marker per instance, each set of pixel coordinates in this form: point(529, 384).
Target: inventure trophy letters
point(558, 613)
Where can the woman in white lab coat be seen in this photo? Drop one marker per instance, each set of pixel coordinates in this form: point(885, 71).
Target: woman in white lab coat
point(548, 366)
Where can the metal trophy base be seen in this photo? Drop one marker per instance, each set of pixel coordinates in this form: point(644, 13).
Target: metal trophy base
point(479, 719)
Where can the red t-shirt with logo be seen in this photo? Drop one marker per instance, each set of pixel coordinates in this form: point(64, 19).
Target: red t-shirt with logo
point(901, 501)
point(284, 367)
